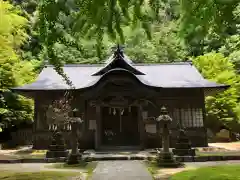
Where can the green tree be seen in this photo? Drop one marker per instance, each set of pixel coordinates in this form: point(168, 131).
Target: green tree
point(165, 46)
point(224, 106)
point(13, 71)
point(90, 18)
point(72, 43)
point(231, 49)
point(207, 23)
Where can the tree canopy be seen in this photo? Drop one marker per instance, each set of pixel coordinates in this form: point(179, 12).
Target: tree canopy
point(225, 106)
point(13, 71)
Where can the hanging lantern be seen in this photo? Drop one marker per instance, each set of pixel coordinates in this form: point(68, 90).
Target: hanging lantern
point(129, 109)
point(114, 111)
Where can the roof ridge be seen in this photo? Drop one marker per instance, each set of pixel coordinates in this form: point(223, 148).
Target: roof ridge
point(164, 63)
point(77, 65)
point(136, 64)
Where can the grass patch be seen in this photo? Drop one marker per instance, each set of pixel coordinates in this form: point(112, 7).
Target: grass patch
point(125, 153)
point(8, 157)
point(228, 153)
point(24, 154)
point(225, 172)
point(44, 175)
point(152, 166)
point(31, 153)
point(31, 156)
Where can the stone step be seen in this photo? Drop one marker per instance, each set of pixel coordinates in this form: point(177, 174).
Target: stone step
point(106, 157)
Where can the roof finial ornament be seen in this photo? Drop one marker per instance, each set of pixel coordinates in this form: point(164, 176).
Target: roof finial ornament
point(118, 50)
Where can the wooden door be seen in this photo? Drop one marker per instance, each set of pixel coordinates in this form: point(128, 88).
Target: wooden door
point(110, 127)
point(120, 127)
point(129, 129)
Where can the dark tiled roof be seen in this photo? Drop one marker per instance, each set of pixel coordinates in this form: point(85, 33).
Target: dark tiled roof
point(172, 75)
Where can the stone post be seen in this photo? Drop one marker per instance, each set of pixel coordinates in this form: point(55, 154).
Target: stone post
point(75, 123)
point(164, 120)
point(165, 138)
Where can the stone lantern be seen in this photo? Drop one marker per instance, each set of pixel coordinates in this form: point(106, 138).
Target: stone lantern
point(76, 123)
point(164, 121)
point(165, 158)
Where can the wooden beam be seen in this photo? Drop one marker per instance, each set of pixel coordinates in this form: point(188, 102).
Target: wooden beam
point(141, 128)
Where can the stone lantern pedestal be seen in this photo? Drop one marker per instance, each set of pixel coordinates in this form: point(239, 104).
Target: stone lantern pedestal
point(183, 145)
point(57, 149)
point(165, 158)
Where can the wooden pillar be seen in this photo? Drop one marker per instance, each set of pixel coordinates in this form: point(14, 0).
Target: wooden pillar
point(35, 122)
point(204, 117)
point(35, 115)
point(141, 127)
point(98, 127)
point(86, 119)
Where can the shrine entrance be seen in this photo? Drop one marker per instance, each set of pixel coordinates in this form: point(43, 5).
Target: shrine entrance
point(120, 126)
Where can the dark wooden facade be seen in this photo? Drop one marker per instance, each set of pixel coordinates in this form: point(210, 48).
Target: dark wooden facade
point(141, 106)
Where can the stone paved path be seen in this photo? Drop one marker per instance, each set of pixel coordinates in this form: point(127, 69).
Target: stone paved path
point(121, 170)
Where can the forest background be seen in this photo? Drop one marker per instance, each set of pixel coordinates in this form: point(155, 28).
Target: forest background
point(36, 32)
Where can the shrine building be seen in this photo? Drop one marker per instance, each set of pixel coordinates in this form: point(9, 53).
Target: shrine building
point(119, 102)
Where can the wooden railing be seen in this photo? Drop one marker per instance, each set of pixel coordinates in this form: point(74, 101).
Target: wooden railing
point(22, 137)
point(39, 139)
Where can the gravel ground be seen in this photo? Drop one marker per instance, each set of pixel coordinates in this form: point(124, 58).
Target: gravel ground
point(234, 146)
point(36, 167)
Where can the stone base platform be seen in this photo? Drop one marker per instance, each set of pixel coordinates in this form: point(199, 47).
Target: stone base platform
point(91, 155)
point(56, 154)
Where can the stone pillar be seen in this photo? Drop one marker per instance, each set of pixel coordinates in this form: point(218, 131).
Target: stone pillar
point(165, 158)
point(165, 139)
point(74, 129)
point(75, 155)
